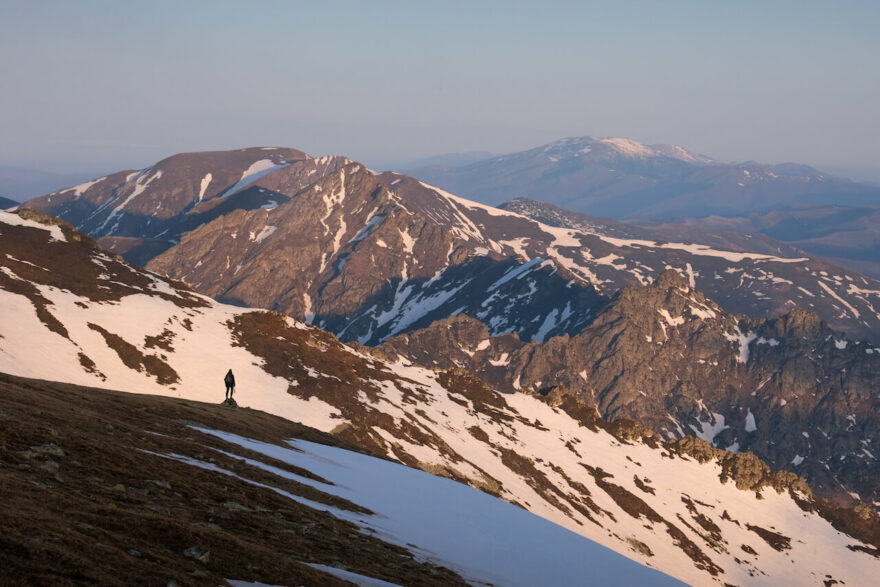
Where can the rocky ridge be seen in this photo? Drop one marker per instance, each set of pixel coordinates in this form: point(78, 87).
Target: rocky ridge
point(789, 389)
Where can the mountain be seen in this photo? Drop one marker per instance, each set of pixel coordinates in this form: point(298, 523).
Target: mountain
point(846, 236)
point(368, 255)
point(6, 203)
point(697, 513)
point(621, 178)
point(142, 213)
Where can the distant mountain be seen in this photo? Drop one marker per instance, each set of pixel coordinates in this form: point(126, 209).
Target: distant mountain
point(847, 236)
point(699, 514)
point(21, 183)
point(621, 178)
point(368, 256)
point(6, 203)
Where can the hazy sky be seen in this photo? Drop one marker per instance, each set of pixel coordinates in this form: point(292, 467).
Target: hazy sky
point(104, 85)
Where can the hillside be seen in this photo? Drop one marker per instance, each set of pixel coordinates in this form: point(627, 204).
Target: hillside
point(110, 488)
point(699, 514)
point(121, 488)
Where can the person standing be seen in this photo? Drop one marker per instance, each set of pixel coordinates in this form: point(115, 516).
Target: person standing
point(230, 384)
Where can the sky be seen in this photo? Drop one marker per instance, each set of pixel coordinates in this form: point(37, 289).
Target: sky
point(104, 85)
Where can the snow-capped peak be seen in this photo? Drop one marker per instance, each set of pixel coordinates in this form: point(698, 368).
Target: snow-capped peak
point(619, 146)
point(629, 147)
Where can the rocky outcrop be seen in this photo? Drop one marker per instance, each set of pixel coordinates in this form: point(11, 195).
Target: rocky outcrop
point(791, 390)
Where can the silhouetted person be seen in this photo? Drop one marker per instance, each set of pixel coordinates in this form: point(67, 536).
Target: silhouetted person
point(230, 384)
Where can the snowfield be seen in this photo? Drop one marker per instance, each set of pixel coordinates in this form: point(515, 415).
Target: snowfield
point(486, 540)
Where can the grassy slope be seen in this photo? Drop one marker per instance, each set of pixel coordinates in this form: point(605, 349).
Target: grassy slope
point(82, 502)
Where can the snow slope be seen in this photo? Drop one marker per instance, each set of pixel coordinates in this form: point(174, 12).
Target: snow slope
point(484, 539)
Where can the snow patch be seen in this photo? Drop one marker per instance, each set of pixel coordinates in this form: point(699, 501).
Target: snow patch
point(81, 188)
point(204, 185)
point(264, 234)
point(11, 219)
point(750, 422)
point(743, 340)
point(257, 170)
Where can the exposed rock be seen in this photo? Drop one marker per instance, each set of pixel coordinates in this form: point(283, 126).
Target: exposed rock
point(790, 390)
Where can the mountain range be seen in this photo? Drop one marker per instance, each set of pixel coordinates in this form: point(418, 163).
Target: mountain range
point(621, 178)
point(371, 256)
point(695, 512)
point(367, 255)
point(710, 345)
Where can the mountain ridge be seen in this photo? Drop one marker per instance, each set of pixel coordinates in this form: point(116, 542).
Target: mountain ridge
point(447, 233)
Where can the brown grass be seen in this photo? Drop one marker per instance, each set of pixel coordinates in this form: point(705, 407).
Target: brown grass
point(84, 504)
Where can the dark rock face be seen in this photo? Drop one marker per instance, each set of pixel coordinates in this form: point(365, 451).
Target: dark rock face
point(789, 389)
